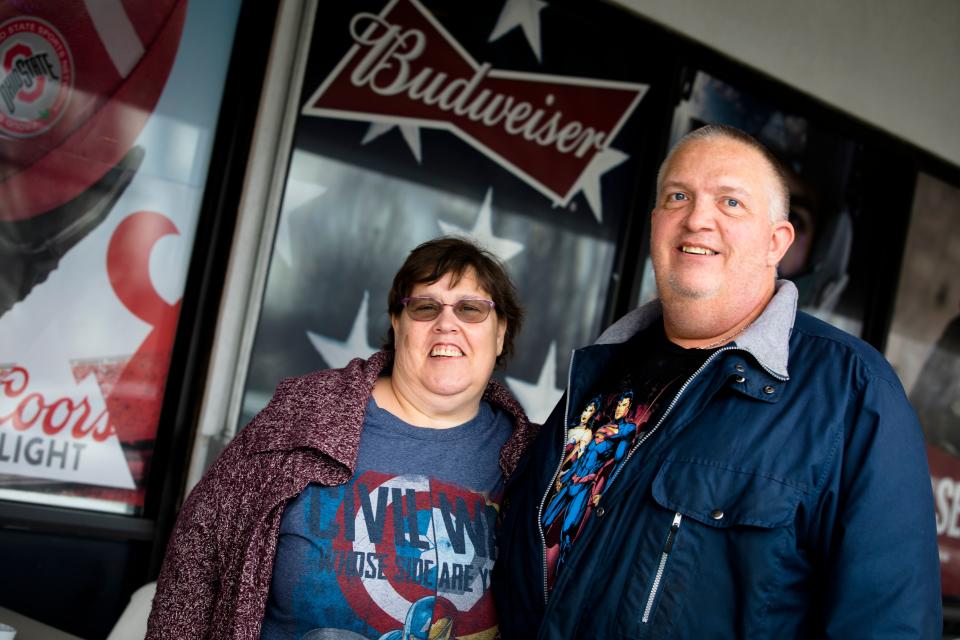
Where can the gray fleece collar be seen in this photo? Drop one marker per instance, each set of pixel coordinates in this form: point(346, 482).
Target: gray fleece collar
point(767, 339)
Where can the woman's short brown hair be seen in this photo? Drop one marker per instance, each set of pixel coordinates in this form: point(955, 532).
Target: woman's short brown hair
point(436, 258)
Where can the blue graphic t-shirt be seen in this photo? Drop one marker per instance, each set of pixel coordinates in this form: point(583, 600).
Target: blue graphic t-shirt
point(405, 549)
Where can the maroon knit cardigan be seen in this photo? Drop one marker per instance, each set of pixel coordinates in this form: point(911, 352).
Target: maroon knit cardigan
point(216, 576)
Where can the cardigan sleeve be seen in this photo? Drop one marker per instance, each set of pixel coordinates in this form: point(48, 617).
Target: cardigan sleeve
point(188, 585)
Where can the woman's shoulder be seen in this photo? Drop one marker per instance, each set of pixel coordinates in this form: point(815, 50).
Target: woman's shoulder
point(524, 431)
point(301, 401)
point(500, 397)
point(301, 396)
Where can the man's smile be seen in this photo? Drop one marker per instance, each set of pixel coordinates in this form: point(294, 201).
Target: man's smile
point(700, 251)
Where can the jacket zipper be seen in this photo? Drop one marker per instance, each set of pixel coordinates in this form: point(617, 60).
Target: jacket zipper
point(667, 547)
point(566, 433)
point(636, 445)
point(669, 409)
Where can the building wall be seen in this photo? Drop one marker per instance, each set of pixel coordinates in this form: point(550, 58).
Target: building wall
point(893, 64)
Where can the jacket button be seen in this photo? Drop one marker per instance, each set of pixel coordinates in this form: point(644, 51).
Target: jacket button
point(717, 514)
point(600, 512)
point(739, 379)
point(768, 389)
point(739, 367)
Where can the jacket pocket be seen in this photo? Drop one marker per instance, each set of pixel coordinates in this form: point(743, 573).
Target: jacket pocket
point(713, 506)
point(721, 496)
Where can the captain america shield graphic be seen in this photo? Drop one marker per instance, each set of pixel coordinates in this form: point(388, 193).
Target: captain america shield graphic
point(400, 539)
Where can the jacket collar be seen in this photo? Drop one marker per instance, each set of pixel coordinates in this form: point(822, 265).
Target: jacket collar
point(767, 339)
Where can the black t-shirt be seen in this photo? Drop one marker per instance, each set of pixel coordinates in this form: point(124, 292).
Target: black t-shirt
point(621, 410)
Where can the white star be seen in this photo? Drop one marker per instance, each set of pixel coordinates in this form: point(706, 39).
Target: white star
point(589, 181)
point(298, 194)
point(336, 353)
point(524, 14)
point(539, 399)
point(483, 232)
point(410, 133)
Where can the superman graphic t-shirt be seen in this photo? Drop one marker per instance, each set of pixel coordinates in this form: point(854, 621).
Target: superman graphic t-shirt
point(608, 424)
point(406, 544)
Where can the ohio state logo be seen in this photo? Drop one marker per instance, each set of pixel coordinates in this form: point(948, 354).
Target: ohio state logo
point(405, 68)
point(36, 77)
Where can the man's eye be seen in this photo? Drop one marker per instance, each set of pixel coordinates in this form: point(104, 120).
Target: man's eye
point(677, 197)
point(732, 202)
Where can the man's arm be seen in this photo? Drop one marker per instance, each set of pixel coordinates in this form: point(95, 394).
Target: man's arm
point(882, 563)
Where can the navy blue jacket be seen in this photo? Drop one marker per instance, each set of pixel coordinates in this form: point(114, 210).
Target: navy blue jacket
point(764, 504)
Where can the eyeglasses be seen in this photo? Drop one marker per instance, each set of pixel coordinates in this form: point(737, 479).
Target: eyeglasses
point(425, 308)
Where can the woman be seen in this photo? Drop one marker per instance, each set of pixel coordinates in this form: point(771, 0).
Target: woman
point(360, 502)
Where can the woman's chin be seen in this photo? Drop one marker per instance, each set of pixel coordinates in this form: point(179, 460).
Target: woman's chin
point(451, 386)
point(448, 389)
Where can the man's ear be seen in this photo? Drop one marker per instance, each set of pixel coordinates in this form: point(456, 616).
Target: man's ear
point(781, 237)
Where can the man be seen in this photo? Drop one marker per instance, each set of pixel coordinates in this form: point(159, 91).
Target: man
point(775, 484)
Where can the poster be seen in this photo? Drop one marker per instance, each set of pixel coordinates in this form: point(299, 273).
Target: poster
point(420, 119)
point(107, 114)
point(823, 261)
point(924, 348)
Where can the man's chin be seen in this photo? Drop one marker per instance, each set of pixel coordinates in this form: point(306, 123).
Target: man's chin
point(689, 290)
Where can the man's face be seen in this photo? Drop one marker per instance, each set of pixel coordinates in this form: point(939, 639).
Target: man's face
point(711, 234)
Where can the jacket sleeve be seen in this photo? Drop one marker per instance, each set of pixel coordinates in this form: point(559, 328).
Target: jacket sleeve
point(189, 579)
point(882, 563)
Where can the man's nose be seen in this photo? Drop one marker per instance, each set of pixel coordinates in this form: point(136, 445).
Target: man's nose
point(701, 214)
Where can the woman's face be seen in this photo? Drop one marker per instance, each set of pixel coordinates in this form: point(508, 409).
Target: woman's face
point(447, 360)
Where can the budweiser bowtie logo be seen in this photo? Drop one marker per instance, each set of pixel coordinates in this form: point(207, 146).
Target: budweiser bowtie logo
point(405, 68)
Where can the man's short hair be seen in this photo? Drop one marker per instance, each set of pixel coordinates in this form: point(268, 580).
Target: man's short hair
point(779, 201)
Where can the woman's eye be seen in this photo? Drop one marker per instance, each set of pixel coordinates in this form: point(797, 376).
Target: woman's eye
point(425, 305)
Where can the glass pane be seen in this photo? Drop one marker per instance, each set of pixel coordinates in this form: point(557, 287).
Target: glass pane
point(374, 173)
point(924, 348)
point(106, 130)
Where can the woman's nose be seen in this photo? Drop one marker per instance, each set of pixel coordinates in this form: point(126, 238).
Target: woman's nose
point(447, 320)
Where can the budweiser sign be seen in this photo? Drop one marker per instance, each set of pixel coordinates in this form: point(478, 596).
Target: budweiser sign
point(404, 68)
